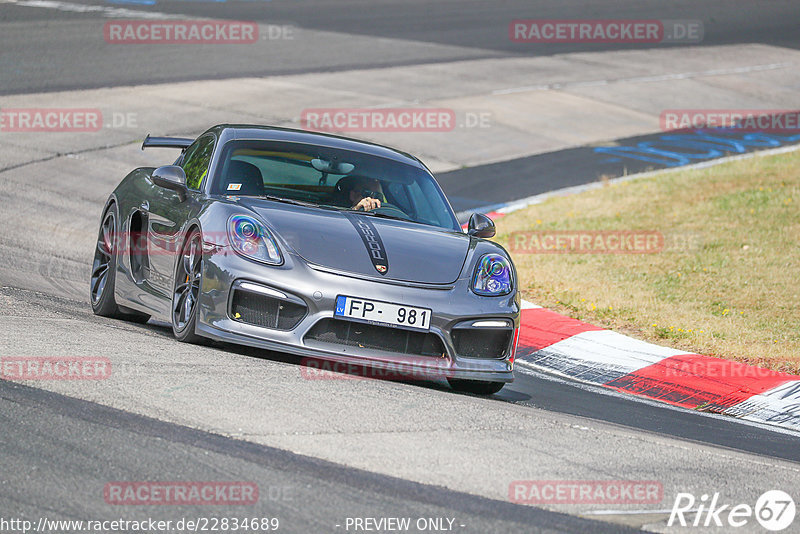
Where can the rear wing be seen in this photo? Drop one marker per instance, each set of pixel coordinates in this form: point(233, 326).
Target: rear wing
point(166, 142)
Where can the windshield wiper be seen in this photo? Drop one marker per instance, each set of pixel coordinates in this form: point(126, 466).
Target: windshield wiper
point(300, 203)
point(291, 201)
point(383, 215)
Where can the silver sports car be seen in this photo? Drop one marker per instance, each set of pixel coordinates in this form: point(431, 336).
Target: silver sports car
point(316, 245)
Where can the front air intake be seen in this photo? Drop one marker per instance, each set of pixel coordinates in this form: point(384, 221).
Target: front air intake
point(384, 338)
point(483, 343)
point(265, 311)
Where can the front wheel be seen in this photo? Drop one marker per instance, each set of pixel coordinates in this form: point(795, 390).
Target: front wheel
point(104, 272)
point(477, 387)
point(186, 292)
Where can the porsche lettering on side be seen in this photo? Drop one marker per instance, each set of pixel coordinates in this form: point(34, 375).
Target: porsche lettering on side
point(311, 244)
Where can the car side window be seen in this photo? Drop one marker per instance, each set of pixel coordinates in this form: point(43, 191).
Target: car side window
point(196, 161)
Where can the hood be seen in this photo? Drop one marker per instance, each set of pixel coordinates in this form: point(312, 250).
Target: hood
point(367, 245)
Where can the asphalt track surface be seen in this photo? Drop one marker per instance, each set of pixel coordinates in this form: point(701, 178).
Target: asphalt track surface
point(46, 49)
point(62, 451)
point(59, 451)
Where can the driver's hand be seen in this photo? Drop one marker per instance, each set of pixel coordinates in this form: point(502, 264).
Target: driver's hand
point(367, 204)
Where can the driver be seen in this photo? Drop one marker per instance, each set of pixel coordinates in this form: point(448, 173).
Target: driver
point(365, 194)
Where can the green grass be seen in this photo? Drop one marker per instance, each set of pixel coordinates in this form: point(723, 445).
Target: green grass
point(727, 282)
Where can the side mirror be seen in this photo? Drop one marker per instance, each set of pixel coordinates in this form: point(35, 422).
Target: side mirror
point(171, 177)
point(481, 226)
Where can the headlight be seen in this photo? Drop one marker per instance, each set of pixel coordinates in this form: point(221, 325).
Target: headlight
point(251, 239)
point(492, 276)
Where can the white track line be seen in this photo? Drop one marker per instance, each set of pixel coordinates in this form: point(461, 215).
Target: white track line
point(106, 11)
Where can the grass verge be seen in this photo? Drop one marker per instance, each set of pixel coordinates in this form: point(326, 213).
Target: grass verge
point(725, 282)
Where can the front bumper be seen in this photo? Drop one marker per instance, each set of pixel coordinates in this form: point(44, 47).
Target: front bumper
point(317, 288)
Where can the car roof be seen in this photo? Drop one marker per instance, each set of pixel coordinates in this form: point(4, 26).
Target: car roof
point(229, 132)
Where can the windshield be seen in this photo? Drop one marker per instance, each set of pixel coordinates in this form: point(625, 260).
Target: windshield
point(332, 178)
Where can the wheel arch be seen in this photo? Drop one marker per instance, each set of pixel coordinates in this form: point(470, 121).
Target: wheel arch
point(188, 228)
point(110, 201)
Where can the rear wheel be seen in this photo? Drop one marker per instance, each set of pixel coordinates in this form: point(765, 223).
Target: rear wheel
point(185, 296)
point(477, 387)
point(104, 272)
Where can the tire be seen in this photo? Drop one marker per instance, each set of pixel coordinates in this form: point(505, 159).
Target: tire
point(104, 272)
point(476, 387)
point(186, 289)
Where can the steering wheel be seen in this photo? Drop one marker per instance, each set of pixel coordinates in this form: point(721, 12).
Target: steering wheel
point(393, 211)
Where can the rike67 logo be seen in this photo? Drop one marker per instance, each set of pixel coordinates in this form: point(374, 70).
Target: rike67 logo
point(774, 510)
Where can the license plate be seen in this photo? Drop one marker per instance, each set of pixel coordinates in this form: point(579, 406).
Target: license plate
point(375, 311)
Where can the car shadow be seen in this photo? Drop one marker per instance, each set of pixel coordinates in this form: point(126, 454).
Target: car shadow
point(321, 369)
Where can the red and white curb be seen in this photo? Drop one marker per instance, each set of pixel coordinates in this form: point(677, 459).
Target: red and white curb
point(557, 344)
